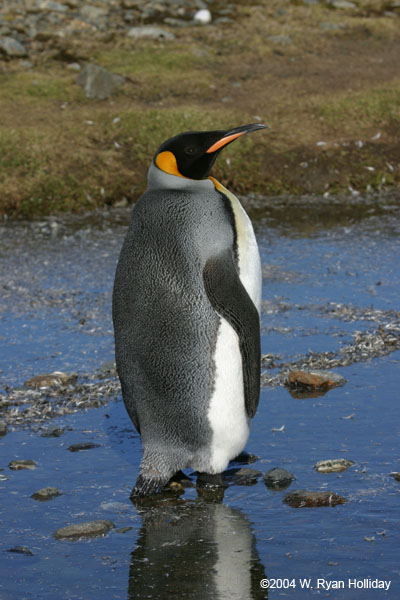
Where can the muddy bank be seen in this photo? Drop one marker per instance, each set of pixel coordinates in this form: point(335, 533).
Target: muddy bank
point(323, 76)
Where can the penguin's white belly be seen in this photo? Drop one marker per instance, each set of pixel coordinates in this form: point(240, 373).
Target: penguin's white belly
point(227, 413)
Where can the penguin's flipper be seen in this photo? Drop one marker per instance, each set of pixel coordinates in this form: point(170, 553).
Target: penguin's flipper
point(230, 299)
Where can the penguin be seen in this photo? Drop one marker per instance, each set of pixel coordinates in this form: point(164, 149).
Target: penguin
point(186, 315)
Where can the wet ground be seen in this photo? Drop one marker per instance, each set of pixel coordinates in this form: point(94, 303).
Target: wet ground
point(331, 288)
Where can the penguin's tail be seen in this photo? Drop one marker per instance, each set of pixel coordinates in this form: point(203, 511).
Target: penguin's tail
point(147, 486)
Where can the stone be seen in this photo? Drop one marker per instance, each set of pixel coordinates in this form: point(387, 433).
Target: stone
point(278, 478)
point(304, 498)
point(98, 83)
point(50, 6)
point(19, 465)
point(314, 380)
point(123, 529)
point(342, 4)
point(3, 429)
point(242, 476)
point(93, 13)
point(335, 465)
point(395, 475)
point(50, 379)
point(12, 47)
point(52, 431)
point(83, 446)
point(150, 32)
point(21, 550)
point(46, 493)
point(87, 529)
point(202, 17)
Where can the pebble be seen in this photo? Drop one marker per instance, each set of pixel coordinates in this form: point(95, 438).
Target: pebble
point(3, 429)
point(50, 379)
point(12, 47)
point(202, 17)
point(123, 529)
point(21, 550)
point(93, 13)
point(304, 498)
point(83, 446)
point(98, 83)
point(19, 465)
point(52, 431)
point(314, 380)
point(335, 465)
point(50, 6)
point(278, 478)
point(87, 529)
point(46, 493)
point(342, 4)
point(150, 32)
point(244, 476)
point(395, 475)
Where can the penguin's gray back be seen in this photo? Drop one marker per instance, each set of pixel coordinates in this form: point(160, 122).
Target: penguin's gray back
point(166, 329)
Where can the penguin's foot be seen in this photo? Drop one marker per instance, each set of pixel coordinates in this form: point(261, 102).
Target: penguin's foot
point(207, 480)
point(147, 486)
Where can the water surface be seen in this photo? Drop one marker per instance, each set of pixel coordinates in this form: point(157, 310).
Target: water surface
point(330, 276)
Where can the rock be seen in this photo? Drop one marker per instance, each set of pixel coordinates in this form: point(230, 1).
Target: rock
point(278, 478)
point(243, 476)
point(87, 529)
point(12, 47)
point(202, 17)
point(151, 33)
point(50, 6)
point(48, 380)
point(342, 4)
point(335, 465)
point(303, 498)
point(93, 13)
point(83, 446)
point(97, 83)
point(19, 465)
point(109, 367)
point(74, 66)
point(52, 431)
point(3, 477)
point(46, 493)
point(3, 429)
point(115, 506)
point(395, 475)
point(314, 380)
point(123, 529)
point(21, 550)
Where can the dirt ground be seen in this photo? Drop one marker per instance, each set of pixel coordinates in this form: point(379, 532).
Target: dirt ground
point(326, 82)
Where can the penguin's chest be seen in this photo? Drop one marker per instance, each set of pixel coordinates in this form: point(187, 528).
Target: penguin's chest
point(227, 413)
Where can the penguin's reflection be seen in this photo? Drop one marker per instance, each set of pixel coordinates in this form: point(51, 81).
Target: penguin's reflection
point(195, 550)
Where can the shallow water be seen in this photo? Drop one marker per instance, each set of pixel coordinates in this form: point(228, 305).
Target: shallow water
point(330, 270)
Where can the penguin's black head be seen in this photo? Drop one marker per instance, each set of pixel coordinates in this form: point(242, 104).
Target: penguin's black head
point(193, 154)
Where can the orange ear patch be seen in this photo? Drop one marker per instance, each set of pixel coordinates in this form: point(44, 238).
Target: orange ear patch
point(166, 161)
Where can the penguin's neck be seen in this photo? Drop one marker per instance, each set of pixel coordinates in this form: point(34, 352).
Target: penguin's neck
point(160, 180)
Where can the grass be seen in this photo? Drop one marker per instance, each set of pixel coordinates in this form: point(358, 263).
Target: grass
point(60, 151)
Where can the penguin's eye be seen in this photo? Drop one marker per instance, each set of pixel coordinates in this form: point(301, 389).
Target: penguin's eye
point(191, 150)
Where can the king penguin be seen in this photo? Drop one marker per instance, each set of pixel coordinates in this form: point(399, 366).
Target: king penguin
point(186, 313)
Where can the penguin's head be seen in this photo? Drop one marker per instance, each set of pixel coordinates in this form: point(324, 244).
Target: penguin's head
point(191, 155)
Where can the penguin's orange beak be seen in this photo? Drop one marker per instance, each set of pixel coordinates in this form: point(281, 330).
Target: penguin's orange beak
point(232, 135)
point(223, 141)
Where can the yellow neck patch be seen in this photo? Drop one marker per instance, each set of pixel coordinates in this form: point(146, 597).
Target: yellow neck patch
point(166, 161)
